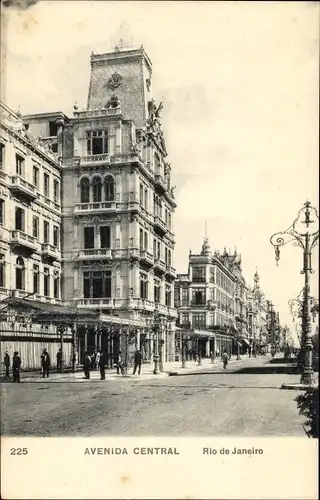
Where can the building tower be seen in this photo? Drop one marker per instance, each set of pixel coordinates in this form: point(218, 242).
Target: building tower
point(117, 198)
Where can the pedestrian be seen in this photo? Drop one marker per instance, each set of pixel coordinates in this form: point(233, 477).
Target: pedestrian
point(45, 363)
point(118, 363)
point(137, 362)
point(87, 365)
point(98, 356)
point(16, 364)
point(6, 362)
point(103, 360)
point(225, 359)
point(59, 360)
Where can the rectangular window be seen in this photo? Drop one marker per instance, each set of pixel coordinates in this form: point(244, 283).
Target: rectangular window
point(198, 274)
point(56, 236)
point(198, 296)
point(46, 188)
point(53, 129)
point(56, 194)
point(141, 194)
point(1, 212)
point(168, 296)
point(88, 236)
point(141, 239)
point(105, 237)
point(199, 321)
point(46, 282)
point(146, 199)
point(146, 241)
point(35, 279)
point(35, 176)
point(20, 165)
point(97, 142)
point(56, 287)
point(158, 250)
point(157, 292)
point(143, 286)
point(2, 271)
point(46, 231)
point(1, 154)
point(154, 247)
point(97, 284)
point(185, 319)
point(35, 227)
point(185, 296)
point(19, 219)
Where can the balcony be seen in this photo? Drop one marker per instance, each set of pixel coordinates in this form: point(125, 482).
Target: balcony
point(146, 258)
point(198, 279)
point(142, 304)
point(50, 252)
point(160, 266)
point(159, 226)
point(171, 272)
point(200, 304)
point(95, 207)
point(95, 303)
point(172, 312)
point(20, 187)
point(126, 254)
point(160, 184)
point(25, 241)
point(95, 253)
point(100, 159)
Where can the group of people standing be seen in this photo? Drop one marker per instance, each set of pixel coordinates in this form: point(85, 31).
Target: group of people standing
point(99, 361)
point(45, 362)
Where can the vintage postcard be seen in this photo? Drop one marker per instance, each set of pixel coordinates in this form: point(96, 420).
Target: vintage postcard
point(159, 234)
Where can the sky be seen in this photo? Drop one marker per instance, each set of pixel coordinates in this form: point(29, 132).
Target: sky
point(239, 83)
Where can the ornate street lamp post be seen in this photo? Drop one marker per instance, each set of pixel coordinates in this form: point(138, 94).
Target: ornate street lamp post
point(307, 240)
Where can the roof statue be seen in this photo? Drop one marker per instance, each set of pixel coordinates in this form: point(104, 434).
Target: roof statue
point(205, 247)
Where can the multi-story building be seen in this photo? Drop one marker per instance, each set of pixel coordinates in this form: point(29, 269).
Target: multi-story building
point(117, 200)
point(257, 316)
point(30, 223)
point(205, 298)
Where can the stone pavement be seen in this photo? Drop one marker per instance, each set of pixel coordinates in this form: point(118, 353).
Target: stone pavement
point(171, 369)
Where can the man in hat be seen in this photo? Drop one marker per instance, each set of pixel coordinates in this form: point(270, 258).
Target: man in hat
point(6, 362)
point(87, 365)
point(16, 363)
point(45, 363)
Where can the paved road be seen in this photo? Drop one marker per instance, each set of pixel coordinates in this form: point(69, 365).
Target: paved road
point(245, 401)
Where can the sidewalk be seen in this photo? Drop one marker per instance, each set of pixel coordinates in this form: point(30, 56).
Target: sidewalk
point(169, 369)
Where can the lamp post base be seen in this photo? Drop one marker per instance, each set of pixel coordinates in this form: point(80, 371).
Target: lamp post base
point(299, 387)
point(156, 365)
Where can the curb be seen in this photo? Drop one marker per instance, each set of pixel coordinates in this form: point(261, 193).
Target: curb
point(298, 387)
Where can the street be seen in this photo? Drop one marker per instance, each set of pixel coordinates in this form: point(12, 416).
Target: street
point(244, 401)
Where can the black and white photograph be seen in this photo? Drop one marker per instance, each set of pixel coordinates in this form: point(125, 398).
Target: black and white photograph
point(159, 221)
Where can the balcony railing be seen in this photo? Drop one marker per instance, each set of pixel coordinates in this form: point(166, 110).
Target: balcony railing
point(146, 257)
point(23, 187)
point(50, 251)
point(159, 265)
point(95, 302)
point(160, 183)
point(101, 206)
point(93, 113)
point(95, 253)
point(25, 240)
point(160, 225)
point(170, 271)
point(198, 279)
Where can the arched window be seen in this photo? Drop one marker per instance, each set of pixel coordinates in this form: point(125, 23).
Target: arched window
point(20, 274)
point(109, 189)
point(96, 189)
point(84, 190)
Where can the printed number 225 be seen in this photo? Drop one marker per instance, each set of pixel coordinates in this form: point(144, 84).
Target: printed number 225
point(18, 451)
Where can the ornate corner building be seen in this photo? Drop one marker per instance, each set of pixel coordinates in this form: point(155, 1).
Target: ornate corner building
point(117, 204)
point(117, 199)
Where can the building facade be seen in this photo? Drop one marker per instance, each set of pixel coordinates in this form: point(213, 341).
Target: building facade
point(117, 202)
point(206, 302)
point(30, 229)
point(257, 317)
